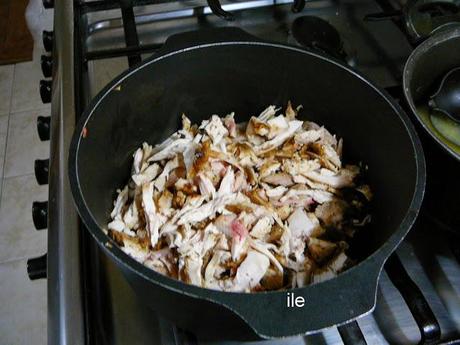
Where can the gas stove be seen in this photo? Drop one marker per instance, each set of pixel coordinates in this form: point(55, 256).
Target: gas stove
point(89, 301)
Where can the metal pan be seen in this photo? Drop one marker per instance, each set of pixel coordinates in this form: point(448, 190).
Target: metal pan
point(423, 71)
point(210, 72)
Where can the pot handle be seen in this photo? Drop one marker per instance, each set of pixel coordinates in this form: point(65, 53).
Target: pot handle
point(296, 312)
point(206, 36)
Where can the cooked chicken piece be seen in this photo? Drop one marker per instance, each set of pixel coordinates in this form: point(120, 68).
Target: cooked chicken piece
point(340, 148)
point(279, 139)
point(215, 129)
point(327, 152)
point(189, 156)
point(274, 193)
point(152, 218)
point(165, 203)
point(290, 112)
point(160, 181)
point(239, 238)
point(251, 271)
point(319, 196)
point(132, 246)
point(192, 269)
point(299, 166)
point(262, 227)
point(223, 223)
point(338, 263)
point(147, 175)
point(157, 266)
point(230, 124)
point(307, 137)
point(279, 179)
point(240, 183)
point(303, 224)
point(321, 275)
point(343, 179)
point(206, 186)
point(215, 269)
point(120, 226)
point(277, 125)
point(174, 176)
point(171, 149)
point(119, 203)
point(244, 154)
point(331, 213)
point(226, 185)
point(269, 167)
point(265, 248)
point(185, 186)
point(303, 276)
point(327, 138)
point(131, 217)
point(284, 211)
point(268, 113)
point(137, 163)
point(209, 209)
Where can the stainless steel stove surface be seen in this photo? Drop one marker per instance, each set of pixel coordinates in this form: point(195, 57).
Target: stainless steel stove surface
point(89, 300)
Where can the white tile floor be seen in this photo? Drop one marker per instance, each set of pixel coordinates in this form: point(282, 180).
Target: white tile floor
point(22, 302)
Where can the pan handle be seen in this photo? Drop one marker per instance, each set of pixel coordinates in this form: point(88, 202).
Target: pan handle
point(333, 302)
point(206, 36)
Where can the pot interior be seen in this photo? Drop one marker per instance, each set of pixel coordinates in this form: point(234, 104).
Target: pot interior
point(245, 78)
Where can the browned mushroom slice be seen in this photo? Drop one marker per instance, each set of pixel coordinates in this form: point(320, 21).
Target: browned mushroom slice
point(331, 213)
point(273, 279)
point(321, 250)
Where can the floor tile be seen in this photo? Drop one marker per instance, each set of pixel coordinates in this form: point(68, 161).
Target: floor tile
point(23, 306)
point(18, 237)
point(25, 94)
point(23, 144)
point(6, 83)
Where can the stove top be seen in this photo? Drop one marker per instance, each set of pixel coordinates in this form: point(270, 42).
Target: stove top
point(90, 302)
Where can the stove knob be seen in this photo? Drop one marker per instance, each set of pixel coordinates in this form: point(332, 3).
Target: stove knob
point(46, 63)
point(43, 127)
point(36, 267)
point(45, 91)
point(47, 37)
point(48, 3)
point(40, 214)
point(41, 167)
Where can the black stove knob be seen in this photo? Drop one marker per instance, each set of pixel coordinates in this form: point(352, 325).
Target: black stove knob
point(43, 127)
point(46, 63)
point(36, 267)
point(47, 37)
point(48, 3)
point(41, 167)
point(40, 214)
point(45, 91)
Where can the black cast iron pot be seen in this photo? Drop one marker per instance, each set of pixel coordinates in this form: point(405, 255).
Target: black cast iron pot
point(216, 72)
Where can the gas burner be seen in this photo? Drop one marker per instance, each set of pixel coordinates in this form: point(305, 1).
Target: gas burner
point(316, 33)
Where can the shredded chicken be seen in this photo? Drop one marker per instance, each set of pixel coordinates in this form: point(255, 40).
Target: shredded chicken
point(242, 207)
